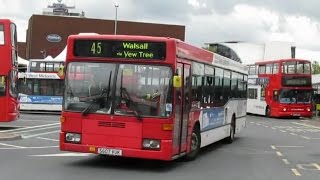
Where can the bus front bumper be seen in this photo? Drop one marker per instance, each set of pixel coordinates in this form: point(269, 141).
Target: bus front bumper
point(164, 153)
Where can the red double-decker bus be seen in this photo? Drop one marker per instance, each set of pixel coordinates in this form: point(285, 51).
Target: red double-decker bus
point(149, 97)
point(280, 88)
point(9, 103)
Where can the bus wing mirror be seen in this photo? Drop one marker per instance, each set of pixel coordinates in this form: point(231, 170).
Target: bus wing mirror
point(61, 71)
point(177, 81)
point(3, 80)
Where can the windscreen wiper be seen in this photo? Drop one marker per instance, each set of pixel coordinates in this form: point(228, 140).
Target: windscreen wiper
point(104, 93)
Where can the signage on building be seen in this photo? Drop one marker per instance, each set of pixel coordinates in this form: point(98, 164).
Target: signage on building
point(53, 38)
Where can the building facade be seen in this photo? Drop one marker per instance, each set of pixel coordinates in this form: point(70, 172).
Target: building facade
point(47, 34)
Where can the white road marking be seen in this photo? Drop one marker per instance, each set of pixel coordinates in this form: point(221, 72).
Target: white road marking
point(63, 155)
point(40, 134)
point(48, 139)
point(37, 129)
point(31, 127)
point(9, 145)
point(290, 146)
point(40, 147)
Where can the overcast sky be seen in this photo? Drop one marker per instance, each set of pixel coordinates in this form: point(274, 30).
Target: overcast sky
point(205, 20)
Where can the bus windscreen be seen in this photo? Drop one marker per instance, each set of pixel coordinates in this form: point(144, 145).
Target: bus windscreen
point(120, 49)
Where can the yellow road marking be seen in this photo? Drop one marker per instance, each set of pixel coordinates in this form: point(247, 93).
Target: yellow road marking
point(296, 172)
point(316, 165)
point(273, 147)
point(315, 127)
point(286, 161)
point(279, 153)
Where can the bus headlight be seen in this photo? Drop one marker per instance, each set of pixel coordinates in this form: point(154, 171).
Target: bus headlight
point(308, 109)
point(151, 144)
point(284, 109)
point(73, 137)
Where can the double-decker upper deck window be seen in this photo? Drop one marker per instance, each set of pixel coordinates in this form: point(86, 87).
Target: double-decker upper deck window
point(262, 69)
point(1, 35)
point(289, 67)
point(303, 68)
point(275, 68)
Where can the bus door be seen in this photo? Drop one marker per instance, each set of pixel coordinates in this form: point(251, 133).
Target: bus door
point(182, 110)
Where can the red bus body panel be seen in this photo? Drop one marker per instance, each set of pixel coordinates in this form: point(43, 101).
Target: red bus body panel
point(9, 106)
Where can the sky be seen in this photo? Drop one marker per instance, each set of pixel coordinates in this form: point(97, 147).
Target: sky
point(206, 21)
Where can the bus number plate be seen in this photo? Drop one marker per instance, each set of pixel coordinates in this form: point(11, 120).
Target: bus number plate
point(111, 152)
point(295, 114)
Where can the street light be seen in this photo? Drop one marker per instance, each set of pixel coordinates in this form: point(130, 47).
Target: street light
point(115, 22)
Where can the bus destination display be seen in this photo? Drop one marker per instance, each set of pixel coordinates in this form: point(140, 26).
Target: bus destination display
point(120, 49)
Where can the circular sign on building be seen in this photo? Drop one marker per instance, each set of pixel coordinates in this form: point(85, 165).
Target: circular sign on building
point(53, 38)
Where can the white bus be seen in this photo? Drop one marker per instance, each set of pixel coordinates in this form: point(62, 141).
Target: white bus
point(40, 91)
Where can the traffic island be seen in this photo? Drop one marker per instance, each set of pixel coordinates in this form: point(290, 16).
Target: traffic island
point(9, 136)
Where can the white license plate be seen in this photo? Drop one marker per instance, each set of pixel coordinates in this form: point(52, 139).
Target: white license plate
point(295, 114)
point(111, 152)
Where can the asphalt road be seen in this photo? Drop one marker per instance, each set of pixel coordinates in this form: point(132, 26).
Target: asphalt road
point(267, 149)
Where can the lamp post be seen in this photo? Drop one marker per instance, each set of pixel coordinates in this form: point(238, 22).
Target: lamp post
point(116, 19)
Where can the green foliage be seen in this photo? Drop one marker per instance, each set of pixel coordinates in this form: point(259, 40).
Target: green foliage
point(315, 67)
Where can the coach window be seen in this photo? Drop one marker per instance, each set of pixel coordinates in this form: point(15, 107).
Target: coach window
point(234, 85)
point(197, 84)
point(218, 79)
point(275, 68)
point(226, 85)
point(245, 86)
point(262, 69)
point(208, 89)
point(240, 86)
point(269, 69)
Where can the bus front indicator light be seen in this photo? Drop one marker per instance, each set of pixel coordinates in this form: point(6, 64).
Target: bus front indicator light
point(151, 144)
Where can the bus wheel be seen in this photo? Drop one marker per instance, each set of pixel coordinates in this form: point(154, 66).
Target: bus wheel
point(194, 144)
point(230, 139)
point(268, 112)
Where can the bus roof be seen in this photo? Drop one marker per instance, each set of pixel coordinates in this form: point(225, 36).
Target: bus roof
point(281, 60)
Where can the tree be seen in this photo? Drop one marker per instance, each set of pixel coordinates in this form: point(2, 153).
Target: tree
point(315, 67)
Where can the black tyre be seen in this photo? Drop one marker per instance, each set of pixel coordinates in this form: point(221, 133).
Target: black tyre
point(268, 112)
point(194, 144)
point(230, 139)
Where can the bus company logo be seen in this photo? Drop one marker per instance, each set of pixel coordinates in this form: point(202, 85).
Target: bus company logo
point(53, 38)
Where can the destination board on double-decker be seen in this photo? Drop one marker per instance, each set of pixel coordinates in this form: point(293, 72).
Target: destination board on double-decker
point(120, 49)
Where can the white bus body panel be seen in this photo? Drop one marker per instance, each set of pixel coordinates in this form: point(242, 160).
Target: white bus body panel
point(40, 107)
point(256, 106)
point(236, 107)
